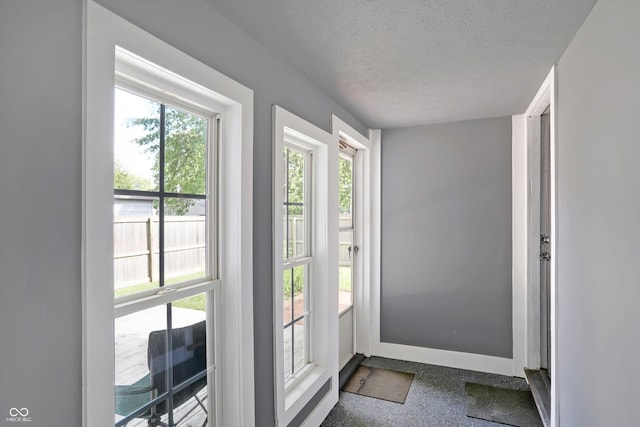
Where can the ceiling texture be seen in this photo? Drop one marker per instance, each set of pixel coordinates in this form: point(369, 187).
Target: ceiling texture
point(397, 63)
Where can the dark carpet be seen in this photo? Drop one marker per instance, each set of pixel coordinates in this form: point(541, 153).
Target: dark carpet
point(502, 405)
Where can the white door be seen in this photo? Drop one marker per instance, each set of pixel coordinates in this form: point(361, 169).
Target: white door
point(347, 253)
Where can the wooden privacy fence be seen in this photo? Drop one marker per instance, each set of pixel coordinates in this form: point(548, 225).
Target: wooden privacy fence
point(296, 233)
point(136, 248)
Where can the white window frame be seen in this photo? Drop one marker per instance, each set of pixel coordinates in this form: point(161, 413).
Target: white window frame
point(103, 32)
point(290, 400)
point(305, 260)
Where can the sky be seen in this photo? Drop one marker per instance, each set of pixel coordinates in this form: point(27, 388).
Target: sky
point(127, 153)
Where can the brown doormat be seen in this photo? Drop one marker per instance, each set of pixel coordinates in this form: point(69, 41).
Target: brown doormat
point(502, 405)
point(380, 383)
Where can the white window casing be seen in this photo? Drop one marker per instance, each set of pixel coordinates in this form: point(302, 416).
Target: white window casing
point(117, 51)
point(292, 397)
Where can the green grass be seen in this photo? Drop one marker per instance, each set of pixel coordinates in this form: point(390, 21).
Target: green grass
point(196, 302)
point(344, 279)
point(199, 302)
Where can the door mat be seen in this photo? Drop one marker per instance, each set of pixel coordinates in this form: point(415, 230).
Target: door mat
point(502, 405)
point(380, 383)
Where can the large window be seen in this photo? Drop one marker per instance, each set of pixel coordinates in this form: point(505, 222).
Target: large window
point(167, 280)
point(297, 260)
point(306, 264)
point(163, 241)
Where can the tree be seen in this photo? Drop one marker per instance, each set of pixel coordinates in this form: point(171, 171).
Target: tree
point(126, 180)
point(345, 184)
point(185, 156)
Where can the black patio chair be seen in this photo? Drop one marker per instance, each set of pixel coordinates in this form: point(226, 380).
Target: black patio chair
point(189, 357)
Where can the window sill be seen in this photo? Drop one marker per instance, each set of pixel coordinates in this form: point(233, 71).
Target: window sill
point(298, 395)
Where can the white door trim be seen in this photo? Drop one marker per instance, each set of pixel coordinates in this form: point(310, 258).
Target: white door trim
point(526, 235)
point(365, 230)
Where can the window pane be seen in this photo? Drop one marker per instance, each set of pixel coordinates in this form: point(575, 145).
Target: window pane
point(142, 357)
point(288, 341)
point(296, 176)
point(185, 155)
point(135, 244)
point(132, 377)
point(345, 255)
point(295, 308)
point(184, 240)
point(136, 142)
point(296, 232)
point(346, 191)
point(189, 359)
point(288, 291)
point(299, 344)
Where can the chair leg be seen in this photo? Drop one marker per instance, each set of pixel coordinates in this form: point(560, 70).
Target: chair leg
point(154, 421)
point(201, 405)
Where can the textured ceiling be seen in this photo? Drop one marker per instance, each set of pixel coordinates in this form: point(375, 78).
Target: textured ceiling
point(411, 62)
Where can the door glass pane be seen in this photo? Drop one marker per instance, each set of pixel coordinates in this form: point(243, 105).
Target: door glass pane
point(136, 142)
point(346, 191)
point(185, 157)
point(345, 256)
point(135, 244)
point(184, 240)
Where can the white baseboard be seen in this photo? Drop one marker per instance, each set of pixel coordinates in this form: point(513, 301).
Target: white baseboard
point(450, 359)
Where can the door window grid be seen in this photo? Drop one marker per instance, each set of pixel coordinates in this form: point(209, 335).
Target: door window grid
point(170, 198)
point(297, 261)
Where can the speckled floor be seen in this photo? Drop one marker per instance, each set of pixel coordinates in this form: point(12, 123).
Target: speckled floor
point(436, 398)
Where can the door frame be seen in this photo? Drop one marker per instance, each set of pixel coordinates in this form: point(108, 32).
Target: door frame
point(364, 217)
point(526, 235)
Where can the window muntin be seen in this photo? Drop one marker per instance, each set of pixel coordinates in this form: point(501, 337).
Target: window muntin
point(297, 260)
point(347, 248)
point(160, 194)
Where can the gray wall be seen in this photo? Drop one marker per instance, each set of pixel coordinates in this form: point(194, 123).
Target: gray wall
point(446, 236)
point(40, 191)
point(599, 220)
point(40, 185)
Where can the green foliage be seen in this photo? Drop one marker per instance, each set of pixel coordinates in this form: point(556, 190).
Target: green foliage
point(345, 184)
point(123, 179)
point(294, 177)
point(298, 282)
point(184, 157)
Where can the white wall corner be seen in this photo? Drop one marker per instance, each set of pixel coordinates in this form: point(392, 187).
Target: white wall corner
point(375, 136)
